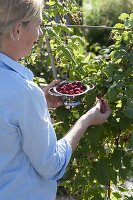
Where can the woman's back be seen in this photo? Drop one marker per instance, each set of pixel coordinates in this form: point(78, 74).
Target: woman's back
point(18, 179)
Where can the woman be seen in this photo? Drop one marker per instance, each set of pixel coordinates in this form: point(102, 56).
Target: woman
point(31, 158)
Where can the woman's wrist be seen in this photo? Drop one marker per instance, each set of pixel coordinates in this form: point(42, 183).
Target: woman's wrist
point(85, 120)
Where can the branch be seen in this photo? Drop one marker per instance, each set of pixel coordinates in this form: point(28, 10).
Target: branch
point(49, 50)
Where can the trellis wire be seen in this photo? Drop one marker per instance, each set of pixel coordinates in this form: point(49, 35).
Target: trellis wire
point(91, 27)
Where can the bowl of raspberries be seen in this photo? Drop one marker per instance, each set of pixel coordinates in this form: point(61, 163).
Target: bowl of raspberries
point(70, 88)
point(71, 91)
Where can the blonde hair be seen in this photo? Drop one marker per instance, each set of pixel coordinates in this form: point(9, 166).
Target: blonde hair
point(13, 11)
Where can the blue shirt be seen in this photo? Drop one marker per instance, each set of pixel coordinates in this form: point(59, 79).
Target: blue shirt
point(31, 158)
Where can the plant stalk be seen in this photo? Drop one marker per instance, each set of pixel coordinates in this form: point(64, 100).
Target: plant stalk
point(49, 50)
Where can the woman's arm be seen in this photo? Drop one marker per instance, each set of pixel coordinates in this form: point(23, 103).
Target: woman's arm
point(93, 117)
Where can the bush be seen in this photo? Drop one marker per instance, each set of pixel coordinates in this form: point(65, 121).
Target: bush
point(104, 156)
point(104, 12)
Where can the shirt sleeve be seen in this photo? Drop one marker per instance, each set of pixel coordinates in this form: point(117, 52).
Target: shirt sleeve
point(48, 156)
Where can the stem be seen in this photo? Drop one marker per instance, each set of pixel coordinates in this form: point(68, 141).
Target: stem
point(49, 50)
point(61, 18)
point(109, 190)
point(117, 139)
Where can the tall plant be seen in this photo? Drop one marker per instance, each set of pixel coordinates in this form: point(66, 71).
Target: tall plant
point(104, 158)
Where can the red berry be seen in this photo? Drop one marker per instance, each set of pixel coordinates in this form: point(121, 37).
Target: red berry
point(78, 82)
point(71, 92)
point(66, 92)
point(77, 92)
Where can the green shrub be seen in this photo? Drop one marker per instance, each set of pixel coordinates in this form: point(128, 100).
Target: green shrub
point(104, 155)
point(104, 12)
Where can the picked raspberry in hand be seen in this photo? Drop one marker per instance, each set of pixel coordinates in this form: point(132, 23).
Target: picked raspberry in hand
point(103, 108)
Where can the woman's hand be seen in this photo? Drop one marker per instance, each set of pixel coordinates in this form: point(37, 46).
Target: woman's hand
point(99, 113)
point(52, 101)
point(95, 116)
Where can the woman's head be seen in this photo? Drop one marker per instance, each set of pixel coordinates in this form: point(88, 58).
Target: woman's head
point(13, 11)
point(20, 22)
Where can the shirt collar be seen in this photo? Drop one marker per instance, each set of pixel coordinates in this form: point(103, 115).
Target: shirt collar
point(20, 69)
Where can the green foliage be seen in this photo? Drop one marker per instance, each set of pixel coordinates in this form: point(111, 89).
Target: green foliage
point(103, 12)
point(104, 155)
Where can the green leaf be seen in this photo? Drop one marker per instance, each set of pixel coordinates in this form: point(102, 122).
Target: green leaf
point(124, 16)
point(127, 161)
point(112, 94)
point(128, 112)
point(103, 172)
point(124, 123)
point(116, 158)
point(129, 23)
point(129, 91)
point(119, 25)
point(62, 112)
point(50, 3)
point(109, 70)
point(117, 195)
point(130, 56)
point(67, 53)
point(118, 76)
point(61, 9)
point(95, 134)
point(119, 54)
point(123, 172)
point(64, 28)
point(78, 39)
point(52, 33)
point(90, 99)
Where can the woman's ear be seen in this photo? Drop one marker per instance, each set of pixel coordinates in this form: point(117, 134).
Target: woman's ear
point(16, 31)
